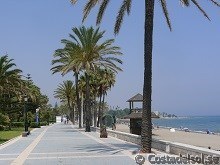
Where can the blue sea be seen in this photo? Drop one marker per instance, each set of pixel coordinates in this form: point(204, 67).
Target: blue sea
point(200, 123)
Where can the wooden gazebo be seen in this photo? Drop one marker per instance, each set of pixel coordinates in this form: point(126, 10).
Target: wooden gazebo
point(137, 98)
point(135, 115)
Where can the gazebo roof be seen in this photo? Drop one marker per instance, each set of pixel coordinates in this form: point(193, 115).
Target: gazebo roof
point(137, 98)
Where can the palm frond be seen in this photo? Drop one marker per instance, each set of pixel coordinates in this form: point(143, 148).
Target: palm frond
point(101, 12)
point(184, 3)
point(120, 17)
point(215, 2)
point(200, 8)
point(73, 1)
point(89, 5)
point(166, 14)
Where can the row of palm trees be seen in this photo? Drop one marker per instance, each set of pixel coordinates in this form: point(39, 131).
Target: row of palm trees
point(95, 62)
point(101, 81)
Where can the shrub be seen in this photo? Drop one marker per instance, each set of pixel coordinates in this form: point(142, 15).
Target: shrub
point(52, 121)
point(4, 120)
point(2, 128)
point(7, 128)
point(34, 125)
point(44, 123)
point(17, 124)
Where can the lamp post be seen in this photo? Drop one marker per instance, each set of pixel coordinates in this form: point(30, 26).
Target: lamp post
point(26, 132)
point(25, 115)
point(37, 115)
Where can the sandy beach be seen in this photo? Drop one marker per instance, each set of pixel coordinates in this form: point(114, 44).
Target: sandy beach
point(196, 139)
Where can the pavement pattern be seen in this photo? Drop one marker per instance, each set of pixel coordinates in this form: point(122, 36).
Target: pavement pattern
point(65, 144)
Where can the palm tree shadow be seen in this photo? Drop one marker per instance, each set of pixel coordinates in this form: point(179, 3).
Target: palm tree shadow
point(116, 148)
point(98, 149)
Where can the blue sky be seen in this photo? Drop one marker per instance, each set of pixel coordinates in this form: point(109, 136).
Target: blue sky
point(185, 61)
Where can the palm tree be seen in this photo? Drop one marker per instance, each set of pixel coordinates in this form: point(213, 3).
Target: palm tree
point(65, 93)
point(106, 79)
point(93, 91)
point(91, 53)
point(101, 80)
point(64, 64)
point(10, 83)
point(146, 134)
point(9, 77)
point(82, 89)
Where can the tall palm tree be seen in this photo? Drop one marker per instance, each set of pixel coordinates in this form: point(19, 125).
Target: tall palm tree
point(146, 134)
point(65, 93)
point(91, 53)
point(10, 83)
point(92, 88)
point(63, 63)
point(9, 76)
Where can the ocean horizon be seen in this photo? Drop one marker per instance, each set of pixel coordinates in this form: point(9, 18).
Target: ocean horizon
point(193, 123)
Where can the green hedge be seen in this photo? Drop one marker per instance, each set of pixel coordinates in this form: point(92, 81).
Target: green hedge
point(17, 124)
point(34, 125)
point(4, 120)
point(2, 128)
point(43, 123)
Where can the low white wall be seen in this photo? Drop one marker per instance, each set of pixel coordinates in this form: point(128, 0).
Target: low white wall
point(162, 145)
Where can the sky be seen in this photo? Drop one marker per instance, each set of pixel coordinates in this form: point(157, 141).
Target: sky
point(186, 66)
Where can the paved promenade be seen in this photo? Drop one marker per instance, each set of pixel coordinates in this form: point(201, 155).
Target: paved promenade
point(61, 144)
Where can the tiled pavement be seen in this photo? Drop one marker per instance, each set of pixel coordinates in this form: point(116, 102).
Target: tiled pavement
point(62, 144)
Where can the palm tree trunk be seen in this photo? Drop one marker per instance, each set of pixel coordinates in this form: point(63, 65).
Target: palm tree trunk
point(103, 132)
point(146, 131)
point(88, 111)
point(102, 111)
point(100, 104)
point(82, 108)
point(77, 98)
point(95, 113)
point(91, 113)
point(73, 114)
point(84, 111)
point(70, 110)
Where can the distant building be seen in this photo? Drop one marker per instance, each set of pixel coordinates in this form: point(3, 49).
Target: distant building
point(157, 113)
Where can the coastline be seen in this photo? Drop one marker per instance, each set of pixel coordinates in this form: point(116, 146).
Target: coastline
point(192, 138)
point(192, 131)
point(127, 122)
point(193, 123)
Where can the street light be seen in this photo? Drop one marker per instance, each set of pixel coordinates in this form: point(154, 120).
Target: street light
point(37, 115)
point(26, 132)
point(25, 115)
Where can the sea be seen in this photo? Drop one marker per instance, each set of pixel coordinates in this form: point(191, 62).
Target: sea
point(193, 123)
